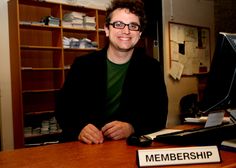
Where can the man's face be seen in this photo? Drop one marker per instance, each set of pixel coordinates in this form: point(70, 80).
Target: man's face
point(123, 39)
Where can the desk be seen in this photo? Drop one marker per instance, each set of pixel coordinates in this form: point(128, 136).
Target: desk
point(110, 154)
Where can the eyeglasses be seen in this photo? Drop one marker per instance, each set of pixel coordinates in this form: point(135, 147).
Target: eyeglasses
point(121, 25)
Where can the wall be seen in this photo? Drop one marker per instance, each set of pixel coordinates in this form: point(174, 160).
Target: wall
point(193, 12)
point(6, 132)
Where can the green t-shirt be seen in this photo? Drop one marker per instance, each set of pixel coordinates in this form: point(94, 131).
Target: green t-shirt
point(115, 79)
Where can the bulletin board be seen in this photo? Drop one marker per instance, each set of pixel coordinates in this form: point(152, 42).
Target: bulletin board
point(190, 51)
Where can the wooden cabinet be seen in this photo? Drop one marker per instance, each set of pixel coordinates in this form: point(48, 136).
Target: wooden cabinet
point(40, 60)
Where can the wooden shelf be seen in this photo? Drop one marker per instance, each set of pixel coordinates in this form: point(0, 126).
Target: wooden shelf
point(39, 47)
point(81, 49)
point(78, 29)
point(40, 69)
point(39, 91)
point(39, 27)
point(41, 135)
point(39, 112)
point(39, 61)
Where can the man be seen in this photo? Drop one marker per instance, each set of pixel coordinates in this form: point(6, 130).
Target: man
point(115, 92)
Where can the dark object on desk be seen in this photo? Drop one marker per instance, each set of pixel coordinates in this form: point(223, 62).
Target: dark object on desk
point(200, 136)
point(188, 106)
point(142, 141)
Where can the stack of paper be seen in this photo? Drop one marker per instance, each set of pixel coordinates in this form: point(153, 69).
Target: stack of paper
point(89, 23)
point(73, 19)
point(229, 144)
point(162, 132)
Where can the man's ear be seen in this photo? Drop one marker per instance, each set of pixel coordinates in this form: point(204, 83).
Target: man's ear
point(106, 30)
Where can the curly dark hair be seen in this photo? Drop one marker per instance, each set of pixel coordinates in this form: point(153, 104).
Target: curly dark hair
point(134, 6)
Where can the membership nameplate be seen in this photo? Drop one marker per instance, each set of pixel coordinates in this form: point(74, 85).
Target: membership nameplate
point(178, 156)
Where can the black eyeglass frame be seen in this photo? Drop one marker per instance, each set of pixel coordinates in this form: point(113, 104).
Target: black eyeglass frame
point(124, 24)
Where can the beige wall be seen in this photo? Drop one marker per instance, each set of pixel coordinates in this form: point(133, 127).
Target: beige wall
point(193, 12)
point(6, 132)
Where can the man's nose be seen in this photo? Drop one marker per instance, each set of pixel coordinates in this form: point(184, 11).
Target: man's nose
point(126, 29)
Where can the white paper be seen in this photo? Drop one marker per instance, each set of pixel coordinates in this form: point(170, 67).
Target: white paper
point(215, 118)
point(176, 70)
point(203, 120)
point(232, 113)
point(162, 132)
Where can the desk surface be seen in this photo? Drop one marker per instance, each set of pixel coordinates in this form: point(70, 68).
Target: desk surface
point(76, 154)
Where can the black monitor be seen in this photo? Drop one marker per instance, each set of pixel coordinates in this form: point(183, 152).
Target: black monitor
point(220, 91)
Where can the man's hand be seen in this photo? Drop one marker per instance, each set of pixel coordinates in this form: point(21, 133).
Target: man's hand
point(90, 134)
point(117, 130)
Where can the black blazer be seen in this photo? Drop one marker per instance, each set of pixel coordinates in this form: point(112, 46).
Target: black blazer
point(82, 99)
